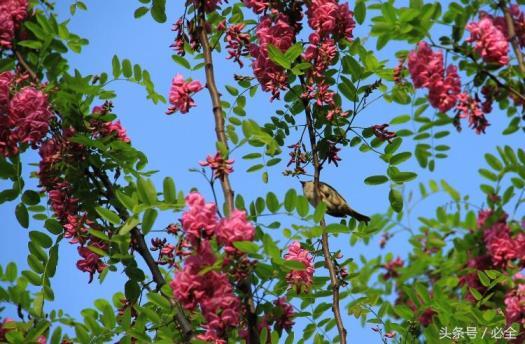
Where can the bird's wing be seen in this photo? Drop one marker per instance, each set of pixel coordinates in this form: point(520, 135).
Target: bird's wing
point(338, 205)
point(327, 190)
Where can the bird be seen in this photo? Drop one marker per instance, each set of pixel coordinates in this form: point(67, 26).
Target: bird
point(336, 205)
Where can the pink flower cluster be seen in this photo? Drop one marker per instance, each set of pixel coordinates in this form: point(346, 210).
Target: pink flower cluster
point(277, 31)
point(391, 268)
point(212, 291)
point(181, 93)
point(468, 107)
point(66, 207)
point(238, 43)
point(12, 12)
point(515, 305)
point(301, 280)
point(503, 248)
point(331, 22)
point(24, 117)
point(220, 166)
point(427, 70)
point(328, 17)
point(489, 42)
point(258, 6)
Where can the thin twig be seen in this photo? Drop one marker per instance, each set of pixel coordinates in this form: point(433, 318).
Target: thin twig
point(245, 285)
point(324, 238)
point(514, 40)
point(142, 248)
point(24, 64)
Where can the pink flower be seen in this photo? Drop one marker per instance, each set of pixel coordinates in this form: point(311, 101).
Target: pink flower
point(220, 166)
point(12, 12)
point(443, 93)
point(391, 268)
point(237, 43)
point(490, 43)
point(382, 133)
point(6, 80)
point(284, 314)
point(181, 94)
point(320, 54)
point(115, 128)
point(515, 305)
point(469, 108)
point(327, 17)
point(212, 292)
point(427, 70)
point(279, 33)
point(29, 113)
point(234, 228)
point(90, 261)
point(301, 279)
point(200, 219)
point(258, 6)
point(424, 65)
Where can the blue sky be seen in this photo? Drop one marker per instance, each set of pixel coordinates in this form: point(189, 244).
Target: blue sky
point(176, 143)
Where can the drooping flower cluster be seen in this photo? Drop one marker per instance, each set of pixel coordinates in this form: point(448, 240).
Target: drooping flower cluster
point(503, 248)
point(24, 116)
point(489, 42)
point(427, 70)
point(381, 132)
point(301, 280)
point(181, 93)
point(220, 167)
point(237, 43)
point(468, 107)
point(257, 6)
point(329, 18)
point(391, 268)
point(277, 31)
point(104, 129)
point(12, 13)
point(515, 305)
point(212, 291)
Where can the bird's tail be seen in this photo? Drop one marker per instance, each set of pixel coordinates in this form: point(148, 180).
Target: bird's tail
point(358, 216)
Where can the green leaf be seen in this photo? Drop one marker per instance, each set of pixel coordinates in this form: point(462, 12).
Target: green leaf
point(132, 290)
point(127, 201)
point(158, 11)
point(11, 271)
point(53, 226)
point(108, 215)
point(30, 44)
point(170, 193)
point(396, 200)
point(493, 162)
point(147, 191)
point(278, 57)
point(30, 197)
point(272, 202)
point(376, 180)
point(22, 215)
point(139, 12)
point(116, 67)
point(32, 277)
point(402, 177)
point(399, 158)
point(130, 223)
point(319, 212)
point(294, 52)
point(148, 220)
point(451, 191)
point(290, 200)
point(302, 206)
point(181, 61)
point(43, 239)
point(246, 246)
point(126, 68)
point(360, 11)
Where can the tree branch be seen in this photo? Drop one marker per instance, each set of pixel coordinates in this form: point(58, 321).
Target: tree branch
point(142, 248)
point(244, 285)
point(324, 238)
point(24, 64)
point(514, 40)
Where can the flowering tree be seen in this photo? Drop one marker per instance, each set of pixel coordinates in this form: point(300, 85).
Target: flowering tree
point(219, 273)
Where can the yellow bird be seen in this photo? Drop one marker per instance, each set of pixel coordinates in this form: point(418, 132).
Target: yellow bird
point(336, 205)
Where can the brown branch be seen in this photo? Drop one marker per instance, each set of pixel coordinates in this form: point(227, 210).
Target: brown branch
point(245, 285)
point(324, 238)
point(142, 248)
point(514, 40)
point(26, 66)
